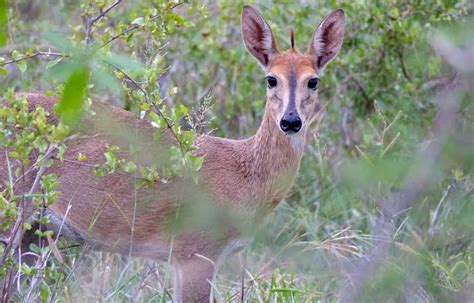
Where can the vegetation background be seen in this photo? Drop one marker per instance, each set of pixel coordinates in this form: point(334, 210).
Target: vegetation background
point(382, 209)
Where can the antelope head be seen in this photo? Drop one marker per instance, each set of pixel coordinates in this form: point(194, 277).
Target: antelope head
point(292, 77)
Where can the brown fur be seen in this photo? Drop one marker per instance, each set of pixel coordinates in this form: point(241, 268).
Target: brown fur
point(246, 178)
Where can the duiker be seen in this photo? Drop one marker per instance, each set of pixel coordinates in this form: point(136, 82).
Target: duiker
point(245, 177)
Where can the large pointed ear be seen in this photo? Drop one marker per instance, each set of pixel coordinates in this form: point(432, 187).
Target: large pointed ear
point(258, 37)
point(327, 39)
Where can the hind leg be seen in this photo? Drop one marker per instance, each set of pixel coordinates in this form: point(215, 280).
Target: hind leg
point(193, 280)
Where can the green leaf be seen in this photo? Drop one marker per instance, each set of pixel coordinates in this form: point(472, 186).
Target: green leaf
point(53, 62)
point(3, 71)
point(44, 292)
point(460, 270)
point(105, 80)
point(60, 41)
point(62, 71)
point(122, 62)
point(287, 290)
point(3, 22)
point(138, 21)
point(21, 66)
point(27, 226)
point(394, 13)
point(70, 105)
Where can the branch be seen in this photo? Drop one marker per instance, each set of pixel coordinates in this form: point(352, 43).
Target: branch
point(17, 232)
point(402, 64)
point(135, 26)
point(102, 14)
point(132, 28)
point(42, 261)
point(434, 216)
point(153, 103)
point(42, 169)
point(362, 90)
point(34, 188)
point(90, 23)
point(37, 54)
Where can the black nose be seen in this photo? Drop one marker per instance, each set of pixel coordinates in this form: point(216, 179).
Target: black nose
point(290, 122)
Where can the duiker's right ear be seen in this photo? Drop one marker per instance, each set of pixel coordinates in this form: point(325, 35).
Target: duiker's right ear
point(258, 37)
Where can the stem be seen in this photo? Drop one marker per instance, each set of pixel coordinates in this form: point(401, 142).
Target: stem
point(135, 26)
point(153, 103)
point(402, 64)
point(37, 54)
point(90, 23)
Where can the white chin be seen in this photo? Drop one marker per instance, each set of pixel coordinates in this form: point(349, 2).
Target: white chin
point(296, 141)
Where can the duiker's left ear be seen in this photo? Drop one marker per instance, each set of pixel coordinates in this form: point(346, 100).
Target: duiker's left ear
point(327, 39)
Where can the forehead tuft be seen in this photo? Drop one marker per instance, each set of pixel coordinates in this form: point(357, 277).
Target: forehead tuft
point(290, 62)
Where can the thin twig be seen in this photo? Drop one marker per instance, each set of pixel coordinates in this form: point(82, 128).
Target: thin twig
point(42, 262)
point(135, 27)
point(362, 90)
point(89, 23)
point(402, 64)
point(37, 54)
point(435, 215)
point(122, 33)
point(34, 187)
point(153, 103)
point(17, 232)
point(102, 14)
point(42, 169)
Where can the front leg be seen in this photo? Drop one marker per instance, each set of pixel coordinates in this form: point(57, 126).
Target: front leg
point(193, 280)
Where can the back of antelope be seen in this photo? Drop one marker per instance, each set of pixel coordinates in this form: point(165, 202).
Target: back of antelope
point(244, 178)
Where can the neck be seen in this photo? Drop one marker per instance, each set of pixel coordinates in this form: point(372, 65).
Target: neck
point(275, 157)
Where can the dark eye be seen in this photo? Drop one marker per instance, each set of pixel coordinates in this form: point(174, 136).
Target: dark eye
point(313, 83)
point(272, 81)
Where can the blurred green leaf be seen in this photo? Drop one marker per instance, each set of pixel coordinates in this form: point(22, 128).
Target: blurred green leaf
point(122, 62)
point(138, 21)
point(460, 270)
point(3, 22)
point(53, 63)
point(44, 292)
point(105, 80)
point(394, 13)
point(60, 41)
point(62, 70)
point(22, 66)
point(71, 103)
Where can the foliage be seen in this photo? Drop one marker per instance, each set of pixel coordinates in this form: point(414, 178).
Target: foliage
point(24, 133)
point(160, 58)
